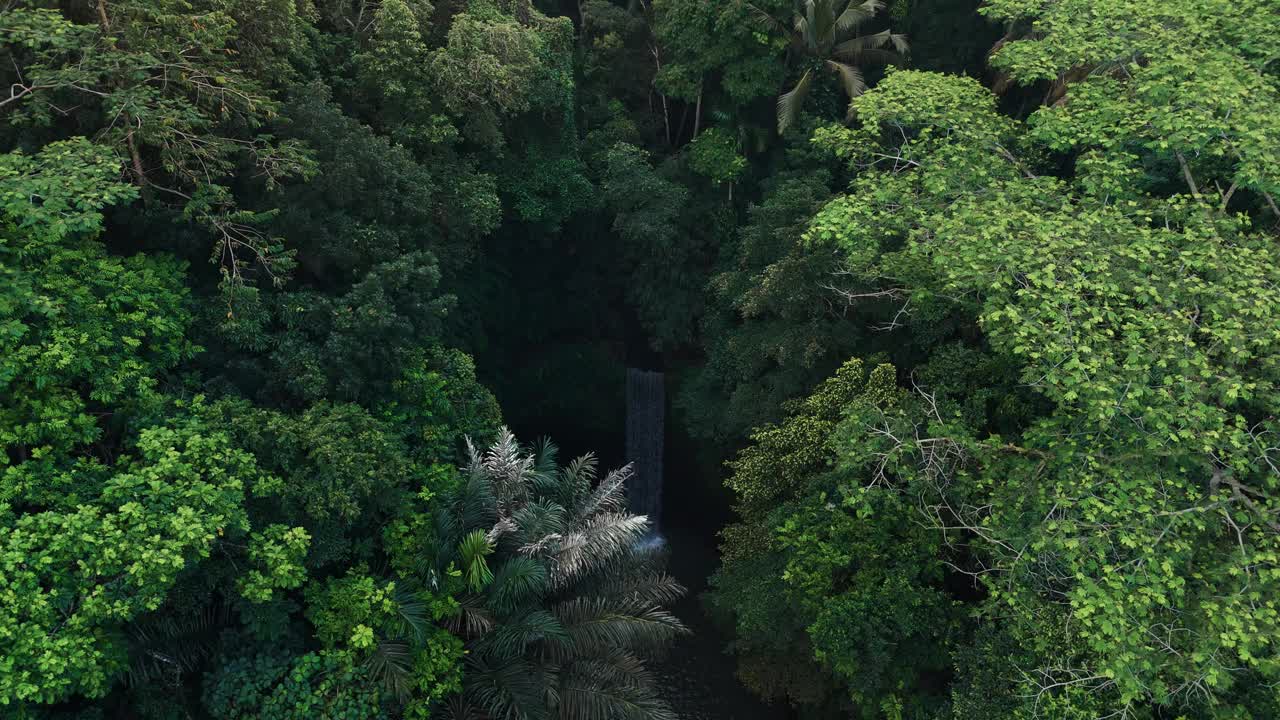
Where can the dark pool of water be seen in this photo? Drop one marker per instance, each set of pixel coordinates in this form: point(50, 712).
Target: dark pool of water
point(698, 673)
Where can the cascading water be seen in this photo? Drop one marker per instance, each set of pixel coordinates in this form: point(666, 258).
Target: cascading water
point(646, 404)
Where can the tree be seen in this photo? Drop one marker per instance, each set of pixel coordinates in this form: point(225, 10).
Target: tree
point(565, 596)
point(282, 688)
point(1123, 528)
point(771, 332)
point(101, 511)
point(1186, 83)
point(161, 86)
point(646, 209)
point(835, 596)
point(824, 39)
point(698, 47)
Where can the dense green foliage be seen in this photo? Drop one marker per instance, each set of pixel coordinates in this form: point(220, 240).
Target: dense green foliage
point(1115, 512)
point(565, 600)
point(978, 341)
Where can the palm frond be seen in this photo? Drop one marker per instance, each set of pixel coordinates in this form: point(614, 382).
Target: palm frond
point(593, 626)
point(508, 470)
point(770, 21)
point(853, 16)
point(791, 102)
point(578, 477)
point(545, 456)
point(850, 78)
point(473, 618)
point(899, 42)
point(654, 588)
point(609, 495)
point(812, 22)
point(800, 30)
point(869, 49)
point(544, 476)
point(598, 541)
point(504, 526)
point(592, 690)
point(536, 521)
point(411, 621)
point(871, 56)
point(475, 503)
point(518, 580)
point(643, 559)
point(565, 551)
point(515, 636)
point(460, 708)
point(613, 685)
point(505, 688)
point(391, 666)
point(473, 549)
point(168, 646)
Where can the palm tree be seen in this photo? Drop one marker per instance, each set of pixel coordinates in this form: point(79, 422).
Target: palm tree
point(565, 600)
point(824, 35)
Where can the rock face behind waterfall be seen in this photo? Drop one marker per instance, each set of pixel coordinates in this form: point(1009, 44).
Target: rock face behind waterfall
point(646, 404)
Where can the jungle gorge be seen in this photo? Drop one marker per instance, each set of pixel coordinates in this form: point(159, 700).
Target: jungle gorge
point(640, 359)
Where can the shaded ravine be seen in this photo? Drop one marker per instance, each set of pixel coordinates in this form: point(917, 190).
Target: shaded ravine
point(698, 673)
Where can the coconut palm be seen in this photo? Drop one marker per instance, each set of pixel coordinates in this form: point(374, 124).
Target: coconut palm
point(565, 600)
point(824, 36)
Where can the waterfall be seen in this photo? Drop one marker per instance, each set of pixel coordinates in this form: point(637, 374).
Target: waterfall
point(646, 404)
